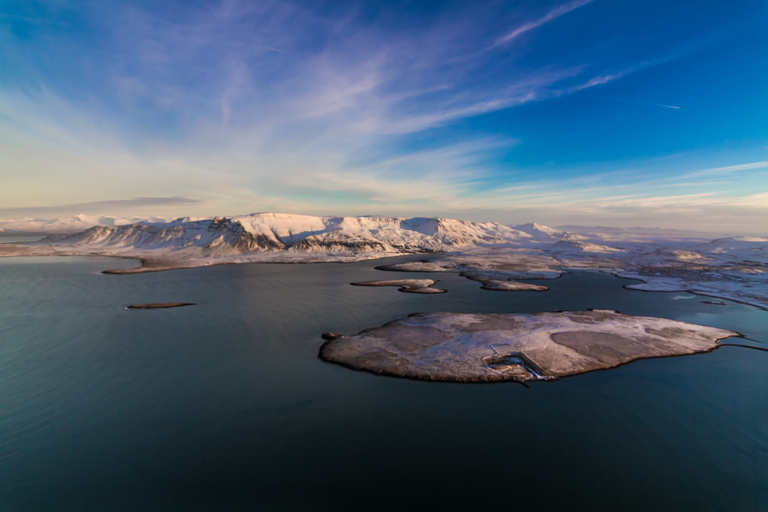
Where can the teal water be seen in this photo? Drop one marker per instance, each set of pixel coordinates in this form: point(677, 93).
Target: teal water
point(225, 406)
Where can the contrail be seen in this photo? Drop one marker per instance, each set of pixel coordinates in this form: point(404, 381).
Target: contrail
point(639, 102)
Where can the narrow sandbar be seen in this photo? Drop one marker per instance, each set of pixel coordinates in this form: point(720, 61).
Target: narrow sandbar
point(160, 305)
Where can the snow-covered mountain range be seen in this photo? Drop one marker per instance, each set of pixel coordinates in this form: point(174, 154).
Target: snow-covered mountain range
point(725, 267)
point(268, 232)
point(291, 237)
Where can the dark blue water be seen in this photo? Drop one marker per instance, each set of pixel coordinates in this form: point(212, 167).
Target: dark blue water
point(225, 406)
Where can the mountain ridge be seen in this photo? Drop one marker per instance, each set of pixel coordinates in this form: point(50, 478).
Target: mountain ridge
point(264, 232)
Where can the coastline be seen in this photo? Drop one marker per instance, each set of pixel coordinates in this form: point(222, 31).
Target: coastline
point(495, 265)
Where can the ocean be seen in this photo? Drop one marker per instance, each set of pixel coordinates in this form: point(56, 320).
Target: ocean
point(225, 405)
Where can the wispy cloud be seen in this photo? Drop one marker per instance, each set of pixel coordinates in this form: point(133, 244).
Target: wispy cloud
point(269, 105)
point(97, 207)
point(551, 15)
point(640, 102)
point(598, 80)
point(726, 170)
point(270, 68)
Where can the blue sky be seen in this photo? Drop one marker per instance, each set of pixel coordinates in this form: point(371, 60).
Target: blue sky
point(589, 112)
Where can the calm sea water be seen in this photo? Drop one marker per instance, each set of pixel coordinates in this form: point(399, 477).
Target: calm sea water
point(225, 406)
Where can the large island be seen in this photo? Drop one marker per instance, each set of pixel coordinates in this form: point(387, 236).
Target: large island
point(457, 347)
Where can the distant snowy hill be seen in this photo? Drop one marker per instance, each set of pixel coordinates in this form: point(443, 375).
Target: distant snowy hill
point(539, 232)
point(69, 224)
point(613, 233)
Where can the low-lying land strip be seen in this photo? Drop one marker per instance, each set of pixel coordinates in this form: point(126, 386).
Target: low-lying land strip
point(160, 305)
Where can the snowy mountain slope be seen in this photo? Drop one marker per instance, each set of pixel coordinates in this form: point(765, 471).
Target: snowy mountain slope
point(413, 233)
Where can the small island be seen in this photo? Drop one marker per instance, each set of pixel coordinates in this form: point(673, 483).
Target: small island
point(501, 285)
point(512, 286)
point(161, 305)
point(456, 347)
point(407, 285)
point(492, 271)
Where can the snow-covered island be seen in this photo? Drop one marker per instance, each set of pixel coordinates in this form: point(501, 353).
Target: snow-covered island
point(491, 253)
point(457, 347)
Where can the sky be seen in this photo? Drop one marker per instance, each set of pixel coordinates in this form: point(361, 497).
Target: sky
point(591, 112)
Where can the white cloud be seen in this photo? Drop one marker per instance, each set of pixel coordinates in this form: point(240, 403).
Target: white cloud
point(598, 80)
point(729, 169)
